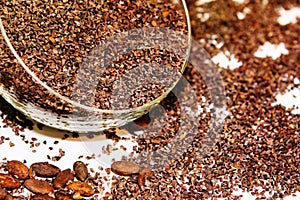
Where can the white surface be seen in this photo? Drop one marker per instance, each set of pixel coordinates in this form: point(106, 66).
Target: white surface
point(201, 2)
point(203, 16)
point(290, 99)
point(215, 40)
point(296, 81)
point(241, 1)
point(226, 60)
point(288, 16)
point(242, 15)
point(271, 50)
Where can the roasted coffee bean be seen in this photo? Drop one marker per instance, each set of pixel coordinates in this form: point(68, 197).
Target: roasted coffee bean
point(43, 169)
point(3, 193)
point(125, 168)
point(62, 196)
point(81, 171)
point(41, 197)
point(10, 197)
point(18, 169)
point(143, 175)
point(63, 178)
point(81, 189)
point(9, 182)
point(38, 186)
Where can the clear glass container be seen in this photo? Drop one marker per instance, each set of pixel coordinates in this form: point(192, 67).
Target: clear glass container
point(91, 65)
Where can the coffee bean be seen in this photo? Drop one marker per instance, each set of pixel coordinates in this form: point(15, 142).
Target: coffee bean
point(62, 196)
point(125, 168)
point(63, 178)
point(41, 197)
point(43, 188)
point(3, 193)
point(9, 182)
point(43, 169)
point(81, 171)
point(18, 169)
point(38, 186)
point(80, 188)
point(143, 175)
point(10, 197)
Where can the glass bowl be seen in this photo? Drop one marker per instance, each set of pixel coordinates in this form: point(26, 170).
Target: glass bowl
point(91, 65)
